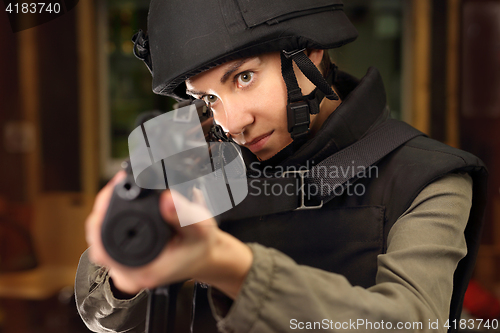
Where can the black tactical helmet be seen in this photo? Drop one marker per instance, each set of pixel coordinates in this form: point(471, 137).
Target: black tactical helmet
point(187, 37)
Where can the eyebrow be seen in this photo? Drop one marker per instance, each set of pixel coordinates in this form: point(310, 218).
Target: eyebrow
point(195, 92)
point(232, 69)
point(224, 77)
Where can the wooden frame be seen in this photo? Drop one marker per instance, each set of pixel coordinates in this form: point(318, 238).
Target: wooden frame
point(29, 85)
point(88, 96)
point(416, 64)
point(453, 76)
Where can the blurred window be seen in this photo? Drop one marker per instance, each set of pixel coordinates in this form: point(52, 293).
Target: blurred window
point(126, 84)
point(380, 27)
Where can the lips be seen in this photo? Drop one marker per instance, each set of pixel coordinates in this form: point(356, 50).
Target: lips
point(257, 139)
point(259, 142)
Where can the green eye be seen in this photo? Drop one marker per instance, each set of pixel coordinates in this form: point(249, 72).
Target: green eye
point(210, 99)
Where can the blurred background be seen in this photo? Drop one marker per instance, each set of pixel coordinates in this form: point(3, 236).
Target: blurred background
point(71, 88)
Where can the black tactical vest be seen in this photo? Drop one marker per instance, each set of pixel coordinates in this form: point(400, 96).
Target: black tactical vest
point(347, 234)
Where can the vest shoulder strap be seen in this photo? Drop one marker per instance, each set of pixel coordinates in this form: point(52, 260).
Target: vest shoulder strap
point(364, 153)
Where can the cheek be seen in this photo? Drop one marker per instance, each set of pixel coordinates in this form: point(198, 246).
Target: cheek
point(267, 102)
point(217, 115)
point(274, 103)
point(273, 96)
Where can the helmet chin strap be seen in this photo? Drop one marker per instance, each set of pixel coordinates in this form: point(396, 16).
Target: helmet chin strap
point(300, 107)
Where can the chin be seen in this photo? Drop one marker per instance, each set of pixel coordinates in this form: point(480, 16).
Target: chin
point(265, 156)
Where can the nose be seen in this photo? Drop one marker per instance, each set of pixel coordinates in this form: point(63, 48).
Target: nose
point(237, 115)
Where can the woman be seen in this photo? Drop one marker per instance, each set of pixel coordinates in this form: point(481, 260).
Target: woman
point(394, 253)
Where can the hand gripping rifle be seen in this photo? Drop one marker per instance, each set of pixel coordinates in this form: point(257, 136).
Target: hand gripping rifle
point(133, 231)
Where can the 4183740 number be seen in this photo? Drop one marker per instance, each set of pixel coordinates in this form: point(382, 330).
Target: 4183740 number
point(33, 8)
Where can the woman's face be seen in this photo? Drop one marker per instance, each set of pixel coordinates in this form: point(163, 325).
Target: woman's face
point(248, 97)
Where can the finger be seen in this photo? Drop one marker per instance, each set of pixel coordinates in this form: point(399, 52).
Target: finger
point(94, 220)
point(198, 197)
point(167, 209)
point(124, 282)
point(101, 203)
point(180, 212)
point(92, 228)
point(103, 197)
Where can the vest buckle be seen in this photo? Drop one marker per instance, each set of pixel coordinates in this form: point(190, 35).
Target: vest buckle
point(302, 206)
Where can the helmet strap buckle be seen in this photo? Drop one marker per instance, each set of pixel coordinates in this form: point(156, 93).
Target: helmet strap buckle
point(141, 48)
point(300, 107)
point(298, 116)
point(291, 54)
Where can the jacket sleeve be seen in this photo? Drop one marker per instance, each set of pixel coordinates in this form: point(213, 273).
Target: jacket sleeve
point(413, 287)
point(97, 306)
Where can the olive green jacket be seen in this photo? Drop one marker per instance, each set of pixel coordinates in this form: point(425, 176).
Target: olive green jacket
point(413, 287)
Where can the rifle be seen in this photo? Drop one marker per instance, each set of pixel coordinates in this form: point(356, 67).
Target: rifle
point(133, 231)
